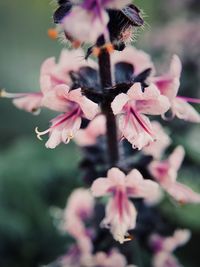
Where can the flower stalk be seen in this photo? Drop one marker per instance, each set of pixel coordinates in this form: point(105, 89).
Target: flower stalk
point(111, 126)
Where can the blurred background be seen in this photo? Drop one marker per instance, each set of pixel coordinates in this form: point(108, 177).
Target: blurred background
point(34, 179)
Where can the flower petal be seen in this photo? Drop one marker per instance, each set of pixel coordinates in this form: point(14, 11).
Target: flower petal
point(100, 187)
point(89, 108)
point(176, 158)
point(137, 58)
point(153, 107)
point(139, 187)
point(137, 130)
point(119, 102)
point(182, 193)
point(116, 177)
point(78, 24)
point(162, 141)
point(88, 136)
point(118, 223)
point(185, 111)
point(169, 84)
point(57, 99)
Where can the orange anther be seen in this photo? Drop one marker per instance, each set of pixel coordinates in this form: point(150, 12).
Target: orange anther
point(76, 44)
point(53, 34)
point(110, 48)
point(96, 51)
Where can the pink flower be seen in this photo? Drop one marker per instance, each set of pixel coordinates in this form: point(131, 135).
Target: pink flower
point(120, 212)
point(88, 136)
point(75, 105)
point(30, 102)
point(80, 206)
point(53, 74)
point(168, 85)
point(77, 23)
point(113, 259)
point(131, 107)
point(165, 173)
point(164, 246)
point(137, 58)
point(162, 141)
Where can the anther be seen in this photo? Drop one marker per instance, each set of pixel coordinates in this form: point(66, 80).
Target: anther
point(2, 93)
point(109, 47)
point(52, 33)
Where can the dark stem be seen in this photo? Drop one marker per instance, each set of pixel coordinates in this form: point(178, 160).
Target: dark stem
point(106, 83)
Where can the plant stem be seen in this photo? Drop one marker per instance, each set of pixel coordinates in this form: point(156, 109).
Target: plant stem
point(106, 82)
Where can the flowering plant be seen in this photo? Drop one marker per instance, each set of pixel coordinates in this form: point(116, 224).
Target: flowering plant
point(106, 97)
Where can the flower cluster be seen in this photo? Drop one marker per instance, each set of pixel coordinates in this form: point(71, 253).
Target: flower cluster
point(140, 93)
point(164, 246)
point(112, 20)
point(106, 106)
point(80, 208)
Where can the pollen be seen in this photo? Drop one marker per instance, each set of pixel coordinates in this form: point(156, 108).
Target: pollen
point(110, 48)
point(52, 33)
point(96, 51)
point(70, 136)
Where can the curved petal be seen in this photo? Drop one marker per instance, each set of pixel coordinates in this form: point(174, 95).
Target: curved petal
point(180, 238)
point(169, 83)
point(47, 66)
point(115, 4)
point(162, 141)
point(57, 99)
point(153, 107)
point(116, 177)
point(89, 108)
point(165, 259)
point(120, 222)
point(150, 93)
point(137, 130)
point(96, 128)
point(137, 58)
point(118, 103)
point(185, 111)
point(139, 187)
point(54, 139)
point(79, 21)
point(100, 187)
point(182, 193)
point(30, 102)
point(176, 158)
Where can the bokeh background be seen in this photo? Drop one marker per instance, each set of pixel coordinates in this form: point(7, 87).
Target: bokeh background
point(34, 180)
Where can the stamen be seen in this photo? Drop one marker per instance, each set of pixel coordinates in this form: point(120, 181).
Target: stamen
point(129, 237)
point(126, 238)
point(109, 47)
point(41, 133)
point(70, 136)
point(5, 94)
point(189, 99)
